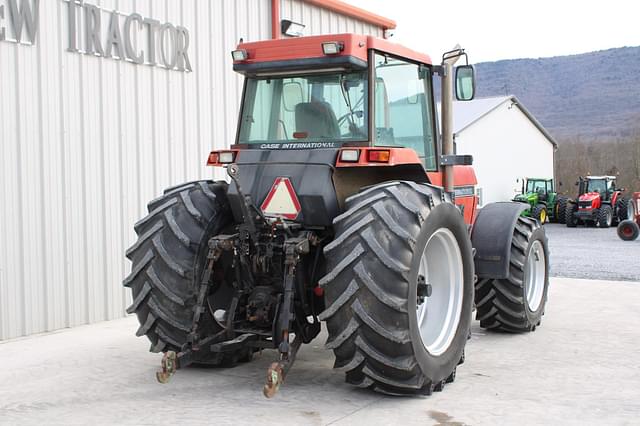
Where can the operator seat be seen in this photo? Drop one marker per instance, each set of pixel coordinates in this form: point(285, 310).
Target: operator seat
point(317, 120)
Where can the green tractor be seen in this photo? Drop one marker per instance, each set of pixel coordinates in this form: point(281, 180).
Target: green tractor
point(545, 203)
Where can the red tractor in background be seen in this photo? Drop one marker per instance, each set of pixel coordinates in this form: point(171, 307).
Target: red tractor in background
point(346, 207)
point(629, 229)
point(599, 202)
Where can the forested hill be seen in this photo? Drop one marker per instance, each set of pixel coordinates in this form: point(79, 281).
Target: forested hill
point(590, 96)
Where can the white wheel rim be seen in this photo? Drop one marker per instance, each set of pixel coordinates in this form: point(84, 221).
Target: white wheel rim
point(439, 314)
point(609, 217)
point(630, 212)
point(535, 275)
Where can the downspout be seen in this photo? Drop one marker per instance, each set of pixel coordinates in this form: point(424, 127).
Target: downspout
point(275, 19)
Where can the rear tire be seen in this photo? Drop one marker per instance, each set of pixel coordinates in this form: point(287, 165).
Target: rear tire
point(628, 230)
point(623, 208)
point(605, 216)
point(570, 220)
point(561, 207)
point(371, 289)
point(516, 304)
point(167, 262)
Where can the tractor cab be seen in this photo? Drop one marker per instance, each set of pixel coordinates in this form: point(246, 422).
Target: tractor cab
point(599, 202)
point(355, 110)
point(544, 202)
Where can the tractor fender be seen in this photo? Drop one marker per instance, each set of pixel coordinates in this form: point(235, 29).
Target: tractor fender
point(491, 238)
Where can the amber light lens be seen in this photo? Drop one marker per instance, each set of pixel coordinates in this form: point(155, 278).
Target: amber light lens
point(378, 156)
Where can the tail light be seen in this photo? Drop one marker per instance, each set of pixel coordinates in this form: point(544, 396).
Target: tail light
point(379, 156)
point(221, 158)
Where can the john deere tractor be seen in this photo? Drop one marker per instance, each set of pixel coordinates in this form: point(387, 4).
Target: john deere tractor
point(544, 202)
point(344, 207)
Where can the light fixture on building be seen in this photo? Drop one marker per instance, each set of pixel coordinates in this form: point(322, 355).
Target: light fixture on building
point(332, 48)
point(291, 29)
point(240, 55)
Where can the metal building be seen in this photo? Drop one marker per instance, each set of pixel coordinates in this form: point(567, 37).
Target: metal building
point(103, 103)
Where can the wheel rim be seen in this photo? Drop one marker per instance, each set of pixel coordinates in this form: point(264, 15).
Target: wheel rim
point(609, 217)
point(535, 275)
point(630, 212)
point(543, 216)
point(627, 230)
point(439, 314)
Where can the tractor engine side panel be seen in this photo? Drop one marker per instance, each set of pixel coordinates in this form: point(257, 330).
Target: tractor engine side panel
point(310, 173)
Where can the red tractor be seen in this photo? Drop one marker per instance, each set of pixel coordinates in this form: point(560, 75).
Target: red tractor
point(345, 207)
point(629, 229)
point(599, 203)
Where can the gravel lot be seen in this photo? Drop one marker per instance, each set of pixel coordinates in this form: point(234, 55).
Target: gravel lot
point(592, 253)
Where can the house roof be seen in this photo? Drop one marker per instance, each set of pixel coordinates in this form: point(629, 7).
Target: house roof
point(468, 112)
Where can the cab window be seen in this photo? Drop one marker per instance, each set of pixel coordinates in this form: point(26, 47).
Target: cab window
point(403, 113)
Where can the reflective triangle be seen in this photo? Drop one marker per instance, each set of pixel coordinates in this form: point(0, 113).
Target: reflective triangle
point(282, 200)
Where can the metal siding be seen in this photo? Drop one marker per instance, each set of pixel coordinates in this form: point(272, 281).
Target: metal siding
point(86, 142)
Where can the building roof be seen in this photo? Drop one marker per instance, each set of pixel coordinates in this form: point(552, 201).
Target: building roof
point(468, 112)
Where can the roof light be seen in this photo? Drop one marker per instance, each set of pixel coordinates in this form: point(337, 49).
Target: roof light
point(291, 29)
point(379, 156)
point(332, 48)
point(226, 157)
point(349, 155)
point(240, 55)
point(213, 158)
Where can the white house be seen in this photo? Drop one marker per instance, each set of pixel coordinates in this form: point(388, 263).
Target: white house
point(507, 143)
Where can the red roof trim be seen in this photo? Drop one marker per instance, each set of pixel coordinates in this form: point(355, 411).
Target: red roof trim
point(354, 12)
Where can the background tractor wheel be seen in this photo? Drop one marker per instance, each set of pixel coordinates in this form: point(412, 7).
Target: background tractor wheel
point(167, 262)
point(540, 212)
point(561, 206)
point(570, 220)
point(624, 209)
point(605, 216)
point(399, 289)
point(517, 303)
point(628, 230)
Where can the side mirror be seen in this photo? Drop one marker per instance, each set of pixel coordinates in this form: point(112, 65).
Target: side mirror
point(560, 183)
point(577, 183)
point(465, 82)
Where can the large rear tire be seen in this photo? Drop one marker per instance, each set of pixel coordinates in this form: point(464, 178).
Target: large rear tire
point(561, 206)
point(624, 209)
point(167, 263)
point(516, 304)
point(396, 243)
point(570, 219)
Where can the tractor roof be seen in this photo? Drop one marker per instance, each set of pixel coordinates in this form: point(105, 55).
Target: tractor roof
point(269, 56)
point(601, 177)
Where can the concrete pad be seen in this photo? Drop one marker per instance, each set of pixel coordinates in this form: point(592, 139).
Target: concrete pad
point(579, 367)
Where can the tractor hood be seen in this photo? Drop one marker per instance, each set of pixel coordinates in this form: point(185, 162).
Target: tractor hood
point(526, 198)
point(589, 196)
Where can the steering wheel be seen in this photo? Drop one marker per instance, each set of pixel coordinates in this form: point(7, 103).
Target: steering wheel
point(342, 118)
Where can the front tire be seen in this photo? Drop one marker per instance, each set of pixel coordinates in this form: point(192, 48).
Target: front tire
point(540, 212)
point(605, 216)
point(516, 304)
point(382, 337)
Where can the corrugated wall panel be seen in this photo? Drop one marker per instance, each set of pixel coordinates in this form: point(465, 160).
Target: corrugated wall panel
point(86, 142)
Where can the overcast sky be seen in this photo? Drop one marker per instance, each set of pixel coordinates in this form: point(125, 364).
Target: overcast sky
point(499, 29)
